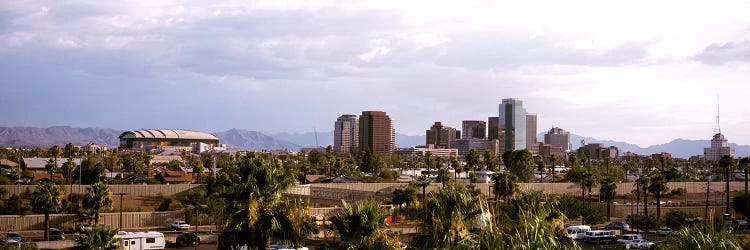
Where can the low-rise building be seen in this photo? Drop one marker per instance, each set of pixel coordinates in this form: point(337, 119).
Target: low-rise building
point(465, 145)
point(38, 164)
point(422, 150)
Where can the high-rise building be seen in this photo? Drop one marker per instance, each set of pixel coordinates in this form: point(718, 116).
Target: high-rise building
point(346, 134)
point(440, 136)
point(479, 145)
point(719, 147)
point(376, 132)
point(473, 129)
point(559, 138)
point(492, 125)
point(512, 125)
point(531, 133)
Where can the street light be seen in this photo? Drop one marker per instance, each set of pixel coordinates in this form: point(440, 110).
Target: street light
point(195, 211)
point(119, 228)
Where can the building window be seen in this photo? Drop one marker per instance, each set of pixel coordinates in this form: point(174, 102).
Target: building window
point(150, 240)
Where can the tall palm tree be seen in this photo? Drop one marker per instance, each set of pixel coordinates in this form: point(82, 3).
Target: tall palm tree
point(725, 163)
point(55, 151)
point(608, 192)
point(449, 214)
point(48, 198)
point(361, 226)
point(540, 166)
point(98, 196)
point(658, 186)
point(101, 237)
point(744, 163)
point(457, 168)
point(644, 181)
point(257, 210)
point(423, 182)
point(50, 167)
point(553, 161)
point(504, 184)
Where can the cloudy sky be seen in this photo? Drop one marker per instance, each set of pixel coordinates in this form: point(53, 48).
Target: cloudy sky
point(643, 72)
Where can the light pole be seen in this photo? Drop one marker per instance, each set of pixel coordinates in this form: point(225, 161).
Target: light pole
point(119, 228)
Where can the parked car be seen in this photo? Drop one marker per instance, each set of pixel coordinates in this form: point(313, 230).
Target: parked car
point(627, 238)
point(83, 228)
point(56, 234)
point(641, 244)
point(188, 239)
point(622, 226)
point(13, 238)
point(180, 225)
point(286, 246)
point(600, 236)
point(665, 231)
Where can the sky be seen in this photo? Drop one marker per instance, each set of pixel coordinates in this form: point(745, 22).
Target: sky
point(644, 72)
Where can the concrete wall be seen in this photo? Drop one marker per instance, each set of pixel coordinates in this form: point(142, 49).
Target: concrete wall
point(134, 190)
point(132, 220)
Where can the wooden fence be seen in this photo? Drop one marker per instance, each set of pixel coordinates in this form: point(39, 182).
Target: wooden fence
point(130, 220)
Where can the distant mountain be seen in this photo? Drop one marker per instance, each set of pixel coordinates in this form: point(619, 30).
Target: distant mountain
point(253, 140)
point(680, 148)
point(58, 135)
point(307, 139)
point(406, 141)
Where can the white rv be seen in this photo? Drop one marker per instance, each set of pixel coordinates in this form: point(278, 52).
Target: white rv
point(140, 240)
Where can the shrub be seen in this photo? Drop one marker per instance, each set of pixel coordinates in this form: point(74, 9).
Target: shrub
point(571, 207)
point(644, 222)
point(677, 219)
point(594, 215)
point(677, 192)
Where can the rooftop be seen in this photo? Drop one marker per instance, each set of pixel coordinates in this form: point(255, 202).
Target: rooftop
point(168, 134)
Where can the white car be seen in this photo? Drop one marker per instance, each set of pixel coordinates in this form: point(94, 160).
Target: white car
point(180, 225)
point(286, 246)
point(640, 244)
point(665, 231)
point(627, 238)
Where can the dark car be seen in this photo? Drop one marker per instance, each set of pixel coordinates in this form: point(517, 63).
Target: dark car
point(188, 239)
point(622, 226)
point(56, 234)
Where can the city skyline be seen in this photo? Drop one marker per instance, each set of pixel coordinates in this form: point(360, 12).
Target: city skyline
point(594, 71)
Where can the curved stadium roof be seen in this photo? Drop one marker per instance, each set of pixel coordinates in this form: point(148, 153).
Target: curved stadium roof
point(170, 134)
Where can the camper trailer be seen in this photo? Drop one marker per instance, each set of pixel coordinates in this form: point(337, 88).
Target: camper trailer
point(140, 240)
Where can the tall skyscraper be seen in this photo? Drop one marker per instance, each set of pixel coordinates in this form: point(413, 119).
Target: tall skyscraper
point(376, 132)
point(493, 123)
point(719, 147)
point(531, 132)
point(558, 137)
point(440, 136)
point(473, 129)
point(512, 125)
point(346, 134)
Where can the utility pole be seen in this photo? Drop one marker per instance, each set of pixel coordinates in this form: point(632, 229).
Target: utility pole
point(119, 228)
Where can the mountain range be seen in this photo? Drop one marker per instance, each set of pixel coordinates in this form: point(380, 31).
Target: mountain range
point(254, 140)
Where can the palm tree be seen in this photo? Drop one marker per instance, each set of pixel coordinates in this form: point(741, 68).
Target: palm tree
point(69, 168)
point(553, 161)
point(449, 214)
point(540, 165)
point(47, 199)
point(360, 226)
point(55, 152)
point(657, 187)
point(101, 237)
point(725, 163)
point(745, 165)
point(457, 167)
point(473, 160)
point(489, 160)
point(589, 180)
point(443, 176)
point(608, 192)
point(643, 181)
point(256, 208)
point(423, 182)
point(50, 167)
point(98, 196)
point(505, 184)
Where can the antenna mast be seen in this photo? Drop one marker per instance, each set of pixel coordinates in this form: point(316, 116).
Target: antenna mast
point(717, 127)
point(316, 137)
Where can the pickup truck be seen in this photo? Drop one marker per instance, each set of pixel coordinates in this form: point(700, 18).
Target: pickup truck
point(180, 225)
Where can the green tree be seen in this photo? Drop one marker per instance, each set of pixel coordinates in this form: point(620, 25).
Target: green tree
point(50, 167)
point(48, 198)
point(443, 176)
point(101, 237)
point(257, 209)
point(370, 162)
point(55, 152)
point(98, 197)
point(449, 214)
point(744, 163)
point(360, 226)
point(423, 182)
point(489, 160)
point(402, 196)
point(520, 163)
point(473, 160)
point(658, 186)
point(725, 163)
point(457, 167)
point(608, 192)
point(504, 184)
